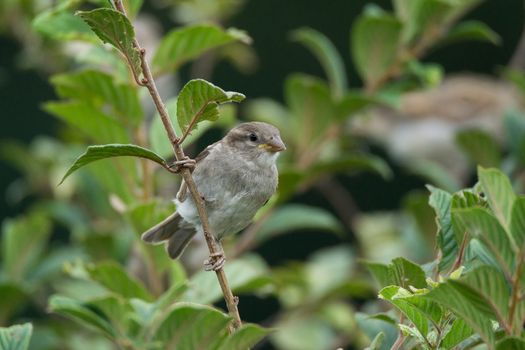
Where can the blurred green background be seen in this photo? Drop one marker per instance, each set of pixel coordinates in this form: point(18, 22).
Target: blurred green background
point(373, 216)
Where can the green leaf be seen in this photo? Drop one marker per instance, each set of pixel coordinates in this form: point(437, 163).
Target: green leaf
point(113, 277)
point(100, 89)
point(24, 241)
point(459, 331)
point(59, 23)
point(396, 295)
point(116, 177)
point(491, 285)
point(479, 223)
point(412, 332)
point(402, 8)
point(480, 147)
point(244, 338)
point(499, 192)
point(375, 42)
point(517, 222)
point(400, 272)
point(376, 342)
point(159, 140)
point(432, 310)
point(94, 153)
point(461, 7)
point(114, 28)
point(471, 30)
point(16, 337)
point(77, 311)
point(380, 272)
point(191, 326)
point(187, 43)
point(441, 202)
point(199, 100)
point(311, 105)
point(294, 217)
point(467, 199)
point(327, 55)
point(466, 303)
point(169, 297)
point(89, 120)
point(511, 343)
point(427, 75)
point(405, 273)
point(424, 16)
point(117, 310)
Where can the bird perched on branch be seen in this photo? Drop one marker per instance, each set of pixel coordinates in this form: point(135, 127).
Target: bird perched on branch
point(235, 176)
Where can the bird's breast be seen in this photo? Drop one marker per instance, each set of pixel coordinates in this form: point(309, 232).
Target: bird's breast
point(232, 194)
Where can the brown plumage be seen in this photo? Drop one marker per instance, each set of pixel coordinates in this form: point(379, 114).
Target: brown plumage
point(236, 176)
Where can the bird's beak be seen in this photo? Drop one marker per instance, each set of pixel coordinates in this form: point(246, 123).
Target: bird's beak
point(274, 145)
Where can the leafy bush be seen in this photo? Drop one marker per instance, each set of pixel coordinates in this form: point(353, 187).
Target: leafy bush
point(122, 293)
point(472, 292)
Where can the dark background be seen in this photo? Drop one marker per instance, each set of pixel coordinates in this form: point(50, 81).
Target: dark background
point(269, 22)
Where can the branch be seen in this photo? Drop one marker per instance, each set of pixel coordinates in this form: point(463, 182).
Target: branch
point(516, 295)
point(213, 247)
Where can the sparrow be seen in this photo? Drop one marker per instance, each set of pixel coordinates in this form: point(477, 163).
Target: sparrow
point(235, 176)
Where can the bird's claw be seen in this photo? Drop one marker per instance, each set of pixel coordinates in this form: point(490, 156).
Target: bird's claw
point(187, 162)
point(215, 262)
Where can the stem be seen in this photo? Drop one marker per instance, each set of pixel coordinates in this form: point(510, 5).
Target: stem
point(516, 295)
point(400, 338)
point(213, 247)
point(461, 253)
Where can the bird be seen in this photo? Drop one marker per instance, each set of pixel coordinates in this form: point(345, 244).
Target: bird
point(235, 177)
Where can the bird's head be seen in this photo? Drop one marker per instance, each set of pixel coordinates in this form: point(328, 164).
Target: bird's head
point(256, 139)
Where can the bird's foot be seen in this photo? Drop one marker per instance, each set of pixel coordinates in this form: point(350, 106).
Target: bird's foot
point(215, 262)
point(187, 162)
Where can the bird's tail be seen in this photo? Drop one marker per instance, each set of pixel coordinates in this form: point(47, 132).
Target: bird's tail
point(173, 231)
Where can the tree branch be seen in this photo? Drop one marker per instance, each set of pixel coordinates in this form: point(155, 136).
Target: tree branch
point(213, 247)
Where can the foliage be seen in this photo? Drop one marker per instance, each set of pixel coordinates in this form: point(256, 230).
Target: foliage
point(76, 252)
point(15, 337)
point(473, 289)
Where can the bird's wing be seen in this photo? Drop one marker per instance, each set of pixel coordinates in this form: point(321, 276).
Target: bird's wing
point(183, 190)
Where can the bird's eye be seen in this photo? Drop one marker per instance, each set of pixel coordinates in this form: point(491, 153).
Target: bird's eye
point(253, 137)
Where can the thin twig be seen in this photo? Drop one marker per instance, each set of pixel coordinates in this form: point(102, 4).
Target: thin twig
point(400, 338)
point(516, 295)
point(213, 247)
point(459, 259)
